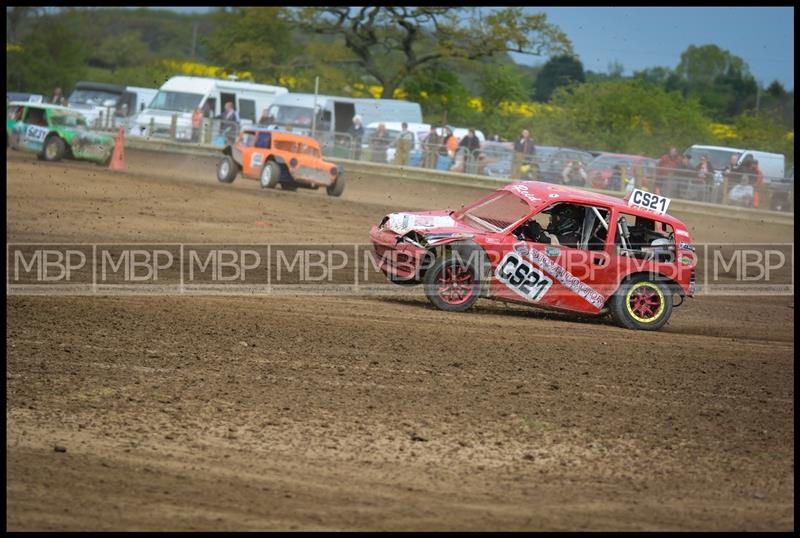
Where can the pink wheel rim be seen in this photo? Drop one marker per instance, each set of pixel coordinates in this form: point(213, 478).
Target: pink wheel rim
point(645, 302)
point(455, 284)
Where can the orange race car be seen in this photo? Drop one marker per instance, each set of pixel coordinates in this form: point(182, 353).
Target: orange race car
point(274, 157)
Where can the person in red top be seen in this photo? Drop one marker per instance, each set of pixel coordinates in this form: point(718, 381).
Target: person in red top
point(665, 166)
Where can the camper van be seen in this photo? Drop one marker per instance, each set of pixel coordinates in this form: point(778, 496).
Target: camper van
point(109, 105)
point(181, 95)
point(773, 165)
point(329, 114)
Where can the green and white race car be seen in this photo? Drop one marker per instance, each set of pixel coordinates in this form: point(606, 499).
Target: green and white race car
point(55, 132)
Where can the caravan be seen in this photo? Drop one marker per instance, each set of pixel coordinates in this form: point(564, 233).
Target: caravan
point(181, 95)
point(330, 114)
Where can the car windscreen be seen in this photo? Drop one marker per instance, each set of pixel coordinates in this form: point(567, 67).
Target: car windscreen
point(67, 120)
point(291, 115)
point(495, 212)
point(94, 97)
point(176, 101)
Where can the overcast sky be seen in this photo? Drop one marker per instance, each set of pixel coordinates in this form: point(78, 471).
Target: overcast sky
point(649, 37)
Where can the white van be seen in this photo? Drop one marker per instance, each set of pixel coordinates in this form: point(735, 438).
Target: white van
point(136, 99)
point(334, 114)
point(181, 95)
point(772, 164)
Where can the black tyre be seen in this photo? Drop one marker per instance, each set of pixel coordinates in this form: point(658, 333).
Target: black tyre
point(227, 169)
point(451, 284)
point(337, 188)
point(54, 148)
point(270, 175)
point(402, 282)
point(642, 303)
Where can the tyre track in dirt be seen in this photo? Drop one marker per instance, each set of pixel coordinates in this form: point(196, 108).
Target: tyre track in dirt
point(371, 412)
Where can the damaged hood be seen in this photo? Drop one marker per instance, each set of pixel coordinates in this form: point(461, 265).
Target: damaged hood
point(429, 223)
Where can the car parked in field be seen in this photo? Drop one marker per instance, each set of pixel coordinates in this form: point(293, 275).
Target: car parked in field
point(552, 166)
point(546, 245)
point(55, 132)
point(604, 171)
point(280, 157)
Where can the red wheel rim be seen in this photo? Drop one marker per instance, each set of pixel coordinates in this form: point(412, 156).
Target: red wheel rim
point(455, 284)
point(645, 302)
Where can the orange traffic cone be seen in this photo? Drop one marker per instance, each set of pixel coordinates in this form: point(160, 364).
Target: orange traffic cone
point(118, 156)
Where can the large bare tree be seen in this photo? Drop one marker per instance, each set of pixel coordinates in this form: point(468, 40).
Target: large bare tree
point(390, 43)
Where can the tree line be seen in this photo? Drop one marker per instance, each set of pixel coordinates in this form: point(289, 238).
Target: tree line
point(454, 61)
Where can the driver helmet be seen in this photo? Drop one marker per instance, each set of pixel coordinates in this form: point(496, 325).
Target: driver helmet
point(564, 220)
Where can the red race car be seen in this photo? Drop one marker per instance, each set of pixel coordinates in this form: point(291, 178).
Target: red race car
point(546, 245)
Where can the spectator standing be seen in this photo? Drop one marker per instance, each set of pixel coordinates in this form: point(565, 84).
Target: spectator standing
point(230, 123)
point(266, 119)
point(403, 145)
point(356, 133)
point(757, 179)
point(574, 174)
point(430, 149)
point(617, 178)
point(58, 98)
point(683, 175)
point(451, 144)
point(731, 175)
point(472, 145)
point(524, 151)
point(665, 168)
point(705, 178)
point(378, 143)
point(230, 113)
point(197, 123)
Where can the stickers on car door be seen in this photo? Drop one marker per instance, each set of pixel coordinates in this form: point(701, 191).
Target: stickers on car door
point(36, 133)
point(522, 278)
point(529, 273)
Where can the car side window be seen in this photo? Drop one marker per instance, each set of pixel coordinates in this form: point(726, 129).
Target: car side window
point(644, 238)
point(569, 225)
point(246, 140)
point(36, 116)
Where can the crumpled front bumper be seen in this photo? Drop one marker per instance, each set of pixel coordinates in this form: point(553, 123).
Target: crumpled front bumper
point(398, 261)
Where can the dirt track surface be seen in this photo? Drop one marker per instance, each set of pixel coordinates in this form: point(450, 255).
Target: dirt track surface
point(373, 413)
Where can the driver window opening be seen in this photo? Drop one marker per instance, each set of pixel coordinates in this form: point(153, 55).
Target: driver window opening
point(36, 117)
point(568, 225)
